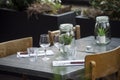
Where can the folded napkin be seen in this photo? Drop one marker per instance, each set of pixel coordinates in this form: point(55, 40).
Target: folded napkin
point(22, 54)
point(48, 52)
point(40, 53)
point(68, 62)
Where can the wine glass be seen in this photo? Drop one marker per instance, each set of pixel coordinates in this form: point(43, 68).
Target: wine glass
point(56, 41)
point(44, 43)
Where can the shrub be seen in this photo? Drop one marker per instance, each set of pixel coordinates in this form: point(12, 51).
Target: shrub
point(110, 8)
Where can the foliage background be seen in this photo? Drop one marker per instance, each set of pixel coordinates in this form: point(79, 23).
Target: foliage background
point(110, 8)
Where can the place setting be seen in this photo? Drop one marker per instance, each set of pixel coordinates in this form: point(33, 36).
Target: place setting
point(34, 52)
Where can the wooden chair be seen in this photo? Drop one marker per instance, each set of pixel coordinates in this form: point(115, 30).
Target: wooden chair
point(102, 65)
point(52, 33)
point(13, 46)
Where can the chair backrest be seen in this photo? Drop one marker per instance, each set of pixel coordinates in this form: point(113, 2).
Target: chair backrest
point(13, 46)
point(51, 34)
point(103, 64)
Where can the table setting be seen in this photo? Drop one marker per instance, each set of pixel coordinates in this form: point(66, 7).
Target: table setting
point(65, 49)
point(66, 53)
point(23, 64)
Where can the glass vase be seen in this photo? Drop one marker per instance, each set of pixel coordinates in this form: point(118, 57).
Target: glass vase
point(67, 38)
point(102, 30)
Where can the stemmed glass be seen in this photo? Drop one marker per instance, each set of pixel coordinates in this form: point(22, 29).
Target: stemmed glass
point(44, 43)
point(56, 41)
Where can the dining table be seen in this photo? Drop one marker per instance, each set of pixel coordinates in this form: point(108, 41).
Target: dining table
point(46, 69)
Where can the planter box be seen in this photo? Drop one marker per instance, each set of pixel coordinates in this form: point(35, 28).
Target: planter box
point(87, 26)
point(17, 24)
point(79, 2)
point(115, 28)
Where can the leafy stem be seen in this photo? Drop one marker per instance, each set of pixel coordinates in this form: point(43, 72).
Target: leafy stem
point(66, 39)
point(101, 31)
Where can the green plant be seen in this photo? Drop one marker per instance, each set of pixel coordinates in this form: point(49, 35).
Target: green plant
point(101, 31)
point(55, 5)
point(15, 4)
point(109, 7)
point(21, 4)
point(6, 3)
point(66, 39)
point(35, 6)
point(47, 6)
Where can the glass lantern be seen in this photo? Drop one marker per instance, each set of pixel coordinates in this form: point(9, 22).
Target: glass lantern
point(102, 30)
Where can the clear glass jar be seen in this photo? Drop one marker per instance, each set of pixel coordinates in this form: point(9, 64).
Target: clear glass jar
point(66, 33)
point(102, 30)
point(66, 38)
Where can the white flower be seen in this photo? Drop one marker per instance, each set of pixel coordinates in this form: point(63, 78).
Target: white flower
point(7, 2)
point(59, 1)
point(103, 2)
point(51, 1)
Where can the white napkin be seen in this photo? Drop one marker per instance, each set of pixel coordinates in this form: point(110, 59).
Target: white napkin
point(40, 53)
point(48, 52)
point(68, 62)
point(22, 54)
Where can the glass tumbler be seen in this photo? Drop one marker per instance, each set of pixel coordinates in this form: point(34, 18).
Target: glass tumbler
point(32, 52)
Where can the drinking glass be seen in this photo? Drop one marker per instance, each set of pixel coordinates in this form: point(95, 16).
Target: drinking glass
point(32, 51)
point(59, 44)
point(44, 43)
point(56, 41)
